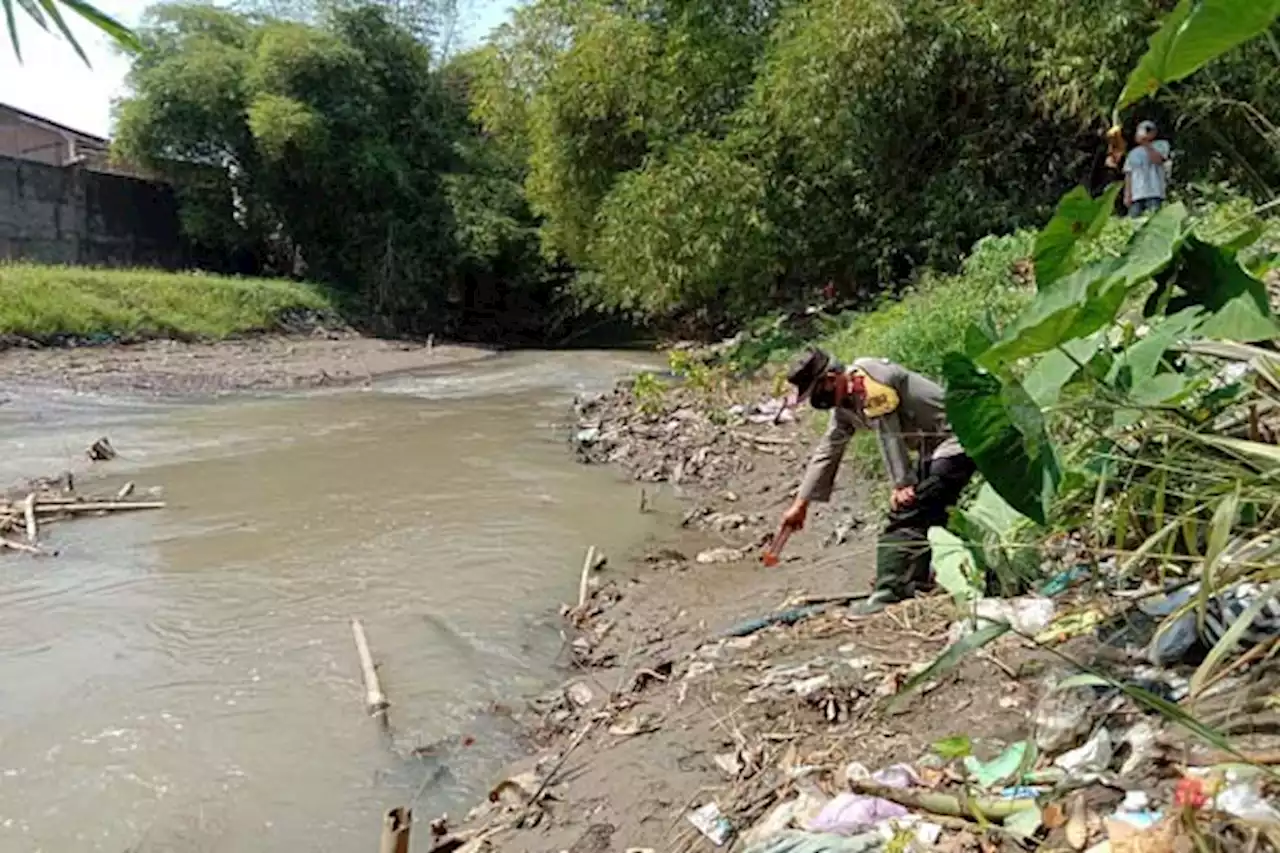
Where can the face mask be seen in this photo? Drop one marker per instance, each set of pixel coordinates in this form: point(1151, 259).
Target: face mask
point(823, 397)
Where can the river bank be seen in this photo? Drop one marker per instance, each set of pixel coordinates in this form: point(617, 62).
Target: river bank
point(320, 358)
point(663, 711)
point(674, 700)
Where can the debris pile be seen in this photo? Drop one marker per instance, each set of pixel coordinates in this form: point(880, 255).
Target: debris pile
point(25, 512)
point(678, 438)
point(1091, 710)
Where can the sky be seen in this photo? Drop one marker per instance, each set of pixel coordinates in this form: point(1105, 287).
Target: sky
point(53, 82)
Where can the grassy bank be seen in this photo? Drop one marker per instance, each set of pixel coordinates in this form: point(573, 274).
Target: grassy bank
point(51, 302)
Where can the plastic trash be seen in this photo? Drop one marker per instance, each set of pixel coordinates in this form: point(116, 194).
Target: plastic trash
point(1062, 581)
point(998, 769)
point(788, 815)
point(1092, 757)
point(1242, 799)
point(722, 554)
point(792, 841)
point(1184, 627)
point(1141, 740)
point(849, 814)
point(1028, 614)
point(708, 820)
point(1062, 717)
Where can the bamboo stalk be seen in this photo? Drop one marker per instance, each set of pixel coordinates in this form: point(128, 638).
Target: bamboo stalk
point(29, 510)
point(943, 804)
point(99, 506)
point(587, 565)
point(20, 546)
point(396, 824)
point(375, 700)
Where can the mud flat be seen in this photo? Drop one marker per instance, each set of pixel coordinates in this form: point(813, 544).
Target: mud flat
point(699, 680)
point(266, 363)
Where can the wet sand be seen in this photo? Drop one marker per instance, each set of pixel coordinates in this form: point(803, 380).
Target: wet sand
point(267, 363)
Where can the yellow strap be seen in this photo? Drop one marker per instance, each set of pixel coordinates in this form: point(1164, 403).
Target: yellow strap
point(880, 399)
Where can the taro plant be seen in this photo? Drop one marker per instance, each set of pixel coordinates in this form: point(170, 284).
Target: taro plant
point(1136, 398)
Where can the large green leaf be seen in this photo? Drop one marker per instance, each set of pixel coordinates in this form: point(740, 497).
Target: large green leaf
point(953, 564)
point(1053, 370)
point(1089, 298)
point(1079, 217)
point(1139, 362)
point(1153, 247)
point(1213, 278)
point(1195, 32)
point(1003, 431)
point(1076, 306)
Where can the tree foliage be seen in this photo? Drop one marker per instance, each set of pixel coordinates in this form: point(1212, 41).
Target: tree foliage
point(338, 152)
point(679, 160)
point(858, 140)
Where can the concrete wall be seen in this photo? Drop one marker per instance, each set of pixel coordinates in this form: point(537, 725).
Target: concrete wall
point(69, 215)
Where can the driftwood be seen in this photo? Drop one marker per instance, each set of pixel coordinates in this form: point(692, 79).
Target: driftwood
point(374, 699)
point(44, 502)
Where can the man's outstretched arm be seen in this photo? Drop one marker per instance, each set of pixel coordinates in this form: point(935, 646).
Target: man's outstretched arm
point(824, 463)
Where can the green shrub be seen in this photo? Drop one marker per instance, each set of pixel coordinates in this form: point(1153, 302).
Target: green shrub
point(918, 326)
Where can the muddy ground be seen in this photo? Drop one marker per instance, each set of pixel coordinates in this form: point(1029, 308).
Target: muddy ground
point(666, 693)
point(265, 363)
point(662, 711)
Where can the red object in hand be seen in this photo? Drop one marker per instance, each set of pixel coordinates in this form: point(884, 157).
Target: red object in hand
point(771, 556)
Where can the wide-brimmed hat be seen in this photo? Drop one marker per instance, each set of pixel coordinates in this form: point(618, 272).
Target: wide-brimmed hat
point(808, 369)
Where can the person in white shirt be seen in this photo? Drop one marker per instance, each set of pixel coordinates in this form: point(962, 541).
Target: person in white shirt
point(1146, 171)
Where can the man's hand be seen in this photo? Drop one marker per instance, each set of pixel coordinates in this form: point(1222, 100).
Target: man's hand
point(902, 497)
point(794, 517)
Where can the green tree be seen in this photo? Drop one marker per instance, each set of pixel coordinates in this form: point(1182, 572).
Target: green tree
point(330, 142)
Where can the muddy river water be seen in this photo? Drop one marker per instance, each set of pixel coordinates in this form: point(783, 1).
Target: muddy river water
point(186, 679)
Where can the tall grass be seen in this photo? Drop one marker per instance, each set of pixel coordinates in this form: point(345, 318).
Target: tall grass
point(917, 327)
point(44, 302)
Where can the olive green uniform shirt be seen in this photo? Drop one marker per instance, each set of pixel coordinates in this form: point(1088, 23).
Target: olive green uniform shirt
point(918, 422)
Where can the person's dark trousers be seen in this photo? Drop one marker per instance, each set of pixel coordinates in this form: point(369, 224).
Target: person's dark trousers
point(902, 554)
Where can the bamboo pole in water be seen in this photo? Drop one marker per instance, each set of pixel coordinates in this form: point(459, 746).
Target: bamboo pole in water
point(396, 824)
point(584, 582)
point(99, 506)
point(375, 700)
point(29, 510)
